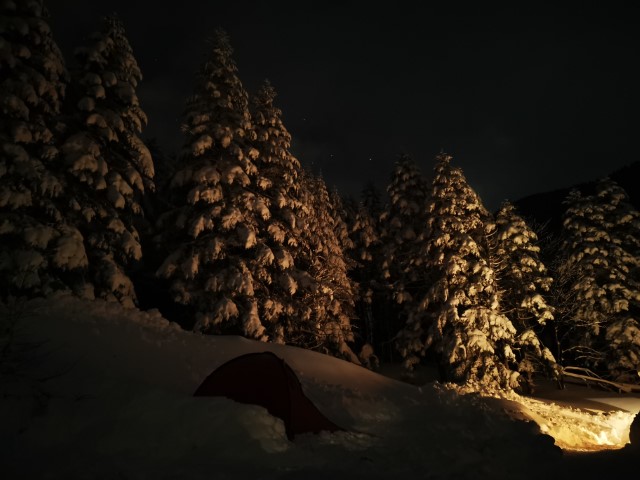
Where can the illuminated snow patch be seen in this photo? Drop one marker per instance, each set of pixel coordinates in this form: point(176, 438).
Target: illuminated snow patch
point(579, 429)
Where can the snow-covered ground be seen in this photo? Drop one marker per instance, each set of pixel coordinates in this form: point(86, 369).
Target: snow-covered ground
point(113, 400)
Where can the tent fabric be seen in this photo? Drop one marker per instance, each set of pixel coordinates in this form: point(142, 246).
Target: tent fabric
point(267, 380)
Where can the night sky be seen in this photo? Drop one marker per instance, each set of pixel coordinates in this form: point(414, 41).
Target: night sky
point(525, 100)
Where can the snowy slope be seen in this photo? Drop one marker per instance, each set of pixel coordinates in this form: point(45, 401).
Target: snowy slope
point(118, 404)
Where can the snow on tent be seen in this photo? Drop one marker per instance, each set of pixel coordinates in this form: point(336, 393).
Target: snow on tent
point(265, 379)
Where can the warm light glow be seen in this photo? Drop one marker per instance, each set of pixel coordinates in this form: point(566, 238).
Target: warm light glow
point(579, 429)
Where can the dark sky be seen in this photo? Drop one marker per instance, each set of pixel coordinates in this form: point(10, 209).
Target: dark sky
point(526, 100)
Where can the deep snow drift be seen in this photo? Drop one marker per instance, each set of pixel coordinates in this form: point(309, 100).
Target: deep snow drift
point(107, 393)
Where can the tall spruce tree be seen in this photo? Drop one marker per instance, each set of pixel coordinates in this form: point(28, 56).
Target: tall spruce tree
point(402, 225)
point(211, 235)
point(459, 315)
point(524, 283)
point(39, 251)
point(164, 165)
point(601, 251)
point(277, 222)
point(371, 200)
point(108, 165)
point(330, 305)
point(281, 262)
point(402, 221)
point(366, 234)
point(341, 210)
point(365, 252)
point(300, 305)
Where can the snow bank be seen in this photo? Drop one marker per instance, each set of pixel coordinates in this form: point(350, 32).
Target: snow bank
point(117, 403)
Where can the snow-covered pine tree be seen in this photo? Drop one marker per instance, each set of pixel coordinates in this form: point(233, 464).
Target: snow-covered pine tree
point(574, 336)
point(366, 235)
point(365, 252)
point(301, 305)
point(602, 242)
point(403, 219)
point(329, 308)
point(365, 232)
point(212, 235)
point(459, 315)
point(341, 210)
point(39, 251)
point(108, 165)
point(371, 200)
point(281, 263)
point(524, 283)
point(402, 224)
point(277, 223)
point(164, 164)
point(348, 207)
point(155, 202)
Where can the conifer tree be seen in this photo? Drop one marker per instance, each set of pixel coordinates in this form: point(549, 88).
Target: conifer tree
point(155, 202)
point(602, 242)
point(402, 224)
point(212, 232)
point(239, 248)
point(371, 200)
point(459, 315)
point(302, 306)
point(279, 263)
point(329, 307)
point(366, 235)
point(403, 218)
point(277, 221)
point(341, 210)
point(524, 283)
point(365, 253)
point(39, 251)
point(108, 165)
point(164, 164)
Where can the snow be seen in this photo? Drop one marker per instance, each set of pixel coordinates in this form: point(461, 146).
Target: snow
point(261, 208)
point(119, 404)
point(81, 152)
point(15, 105)
point(87, 104)
point(251, 323)
point(17, 152)
point(130, 245)
point(288, 283)
point(276, 232)
point(247, 236)
point(38, 235)
point(69, 252)
point(283, 259)
point(201, 145)
point(21, 134)
point(144, 159)
point(235, 173)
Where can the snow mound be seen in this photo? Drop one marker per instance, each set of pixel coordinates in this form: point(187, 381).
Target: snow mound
point(108, 393)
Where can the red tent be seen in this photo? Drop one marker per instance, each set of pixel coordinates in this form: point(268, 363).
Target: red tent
point(265, 379)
